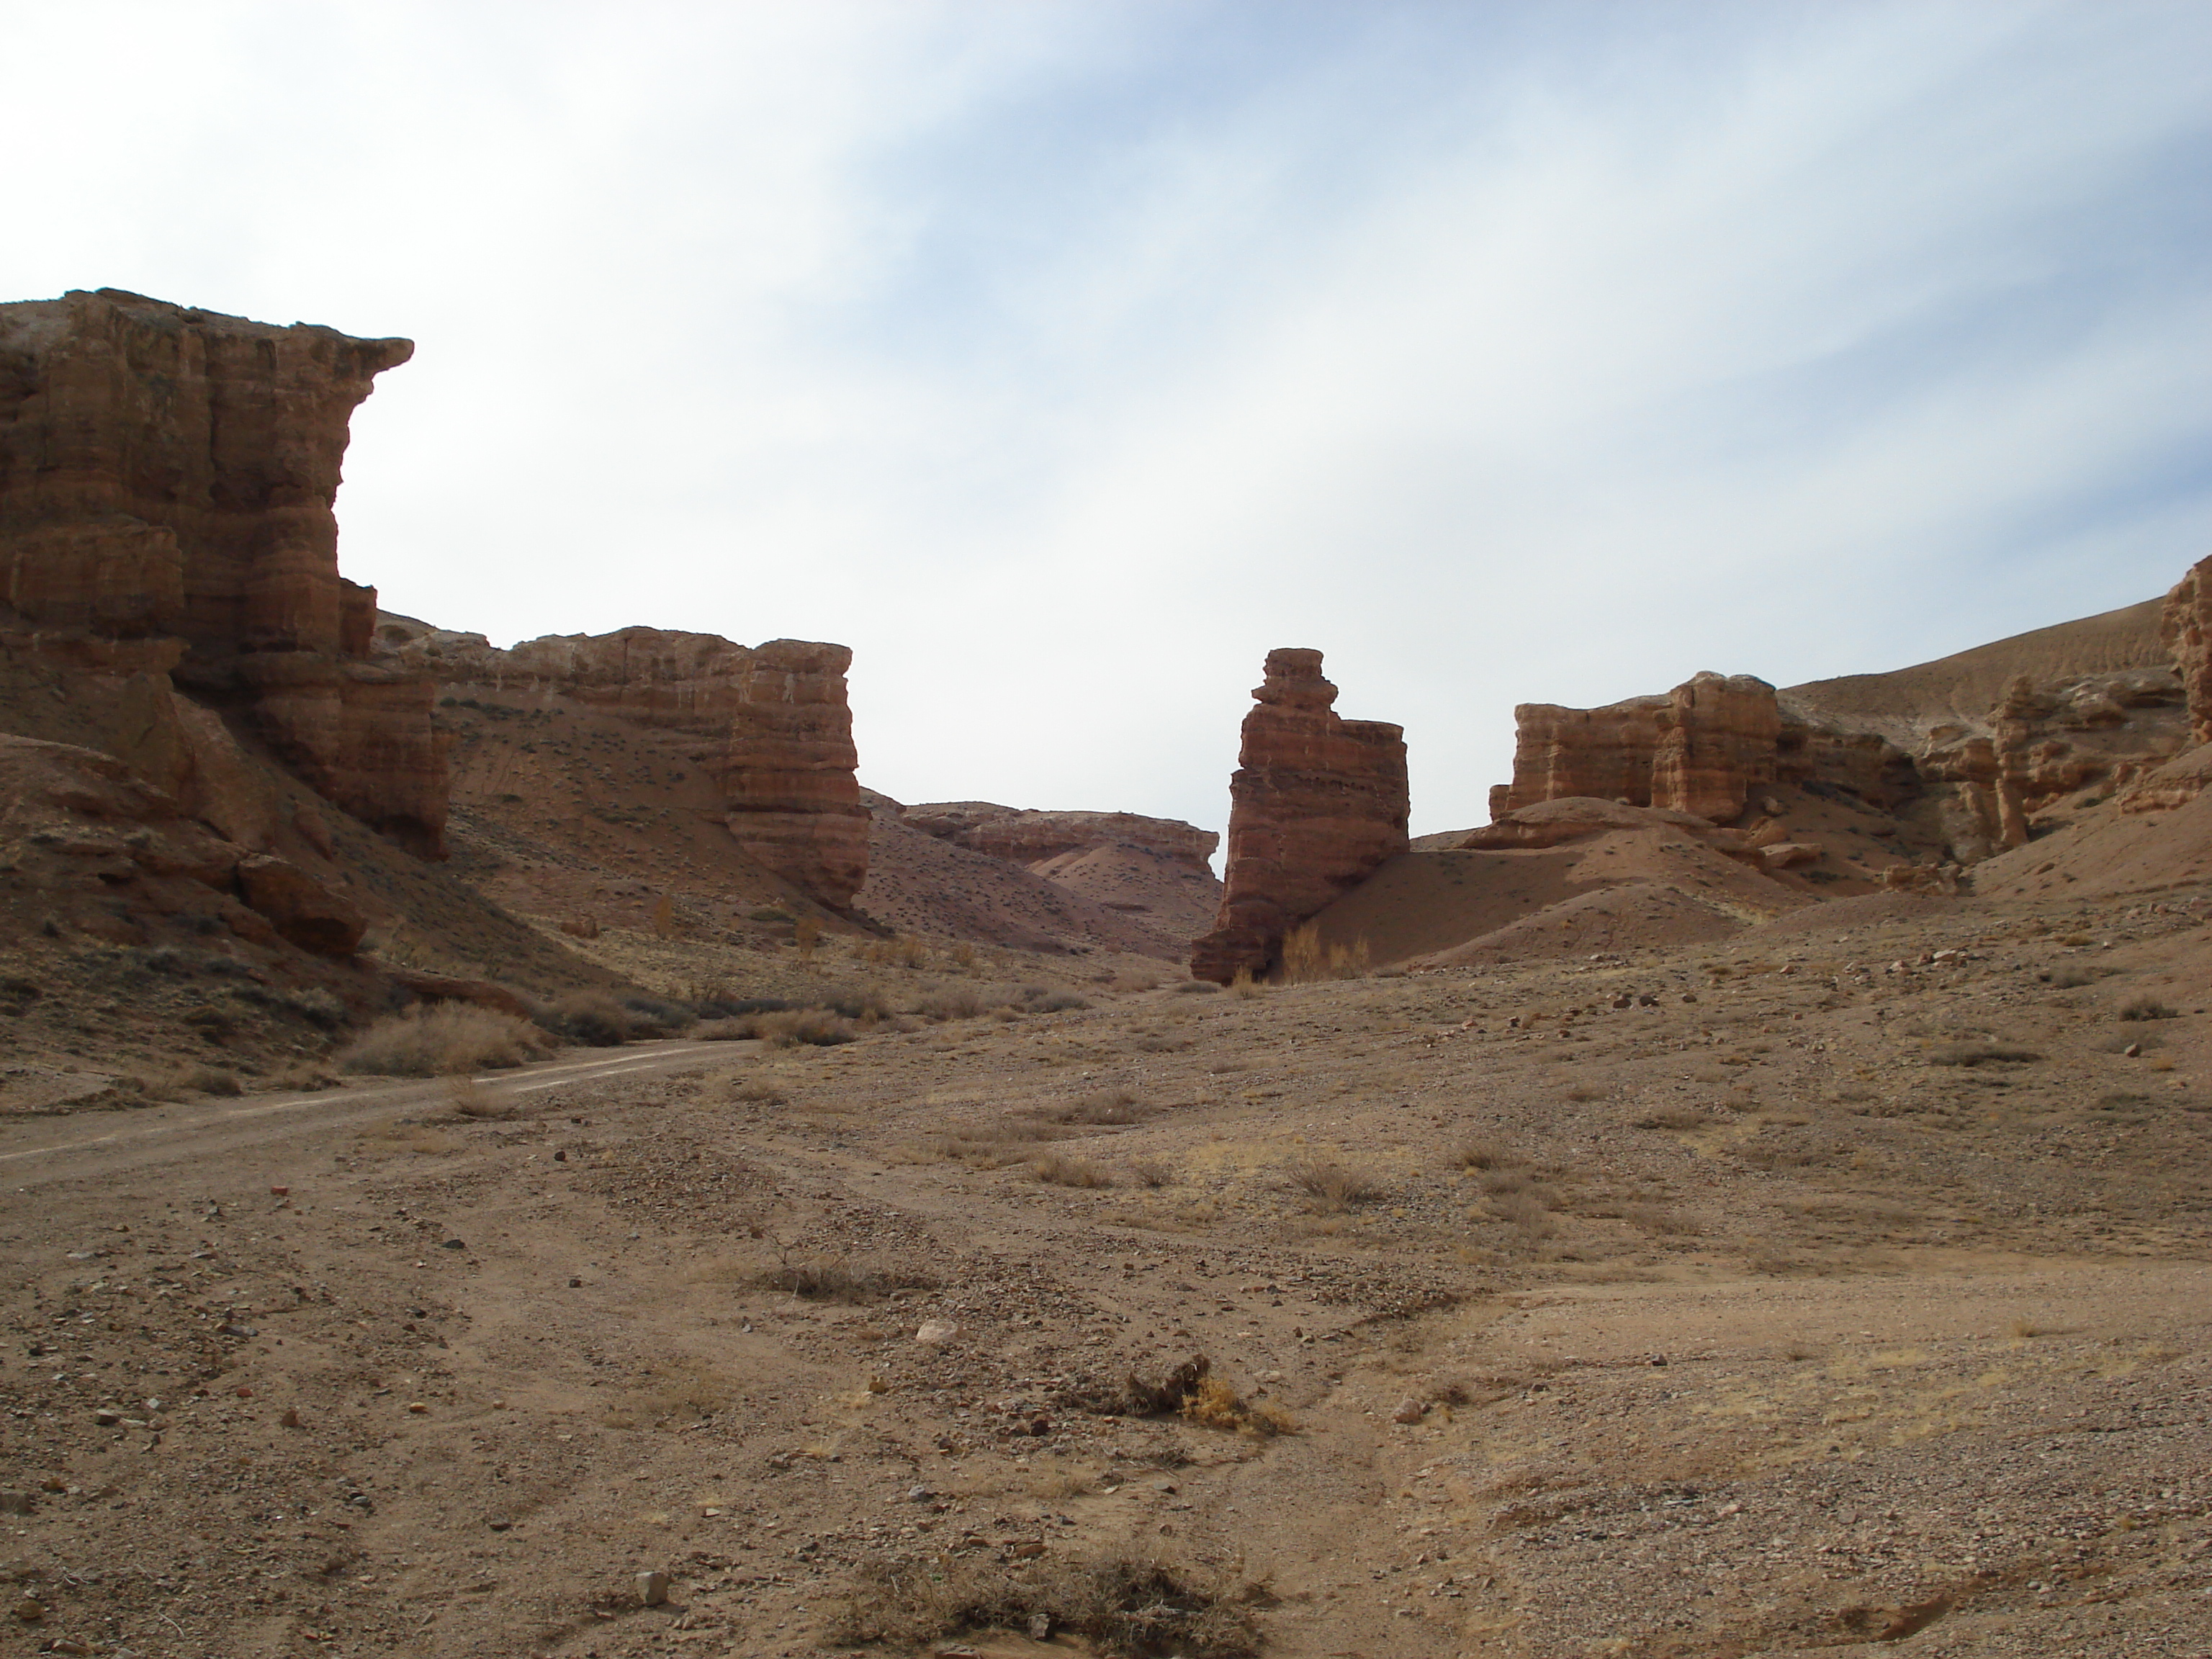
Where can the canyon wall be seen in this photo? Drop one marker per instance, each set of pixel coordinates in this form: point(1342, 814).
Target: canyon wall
point(2184, 625)
point(1318, 804)
point(167, 481)
point(770, 724)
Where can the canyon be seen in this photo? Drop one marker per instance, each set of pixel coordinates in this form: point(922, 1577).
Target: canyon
point(1742, 1199)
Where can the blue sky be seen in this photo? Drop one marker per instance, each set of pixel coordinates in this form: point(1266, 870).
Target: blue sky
point(1061, 359)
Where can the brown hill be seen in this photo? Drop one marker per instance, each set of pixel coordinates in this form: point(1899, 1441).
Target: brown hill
point(924, 885)
point(1903, 704)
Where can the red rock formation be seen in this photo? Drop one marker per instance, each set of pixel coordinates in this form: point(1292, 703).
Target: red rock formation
point(1700, 748)
point(106, 849)
point(2186, 625)
point(1717, 737)
point(1317, 805)
point(1031, 837)
point(168, 474)
point(771, 723)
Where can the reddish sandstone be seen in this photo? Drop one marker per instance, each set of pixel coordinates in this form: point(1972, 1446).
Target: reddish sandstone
point(1317, 805)
point(167, 482)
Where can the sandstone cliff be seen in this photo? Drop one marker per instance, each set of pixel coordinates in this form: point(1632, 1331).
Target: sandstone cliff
point(1318, 804)
point(166, 480)
point(764, 732)
point(2185, 630)
point(1700, 749)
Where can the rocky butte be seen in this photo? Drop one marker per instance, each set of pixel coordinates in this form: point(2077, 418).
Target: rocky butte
point(769, 725)
point(1318, 803)
point(166, 476)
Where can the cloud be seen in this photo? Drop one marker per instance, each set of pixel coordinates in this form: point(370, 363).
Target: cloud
point(1063, 358)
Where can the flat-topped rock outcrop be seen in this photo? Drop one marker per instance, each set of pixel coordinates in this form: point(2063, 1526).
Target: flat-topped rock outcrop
point(1700, 748)
point(769, 724)
point(1318, 804)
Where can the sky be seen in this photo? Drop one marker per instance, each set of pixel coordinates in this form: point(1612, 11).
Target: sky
point(1062, 359)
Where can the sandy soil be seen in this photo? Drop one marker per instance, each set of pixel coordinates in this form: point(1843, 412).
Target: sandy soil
point(1845, 1287)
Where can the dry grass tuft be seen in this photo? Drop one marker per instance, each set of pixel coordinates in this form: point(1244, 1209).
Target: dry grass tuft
point(1151, 1172)
point(1307, 961)
point(471, 1099)
point(441, 1040)
point(1106, 1106)
point(1479, 1153)
point(1214, 1404)
point(1058, 1170)
point(1980, 1053)
point(2150, 1008)
point(1329, 1186)
point(1675, 1117)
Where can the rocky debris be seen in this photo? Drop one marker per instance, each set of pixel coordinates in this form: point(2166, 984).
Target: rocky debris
point(1318, 803)
point(1032, 837)
point(103, 845)
point(167, 481)
point(2183, 626)
point(770, 724)
point(301, 908)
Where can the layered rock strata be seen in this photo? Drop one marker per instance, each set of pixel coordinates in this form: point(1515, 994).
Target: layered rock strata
point(1700, 749)
point(1032, 837)
point(1318, 803)
point(167, 482)
point(2186, 626)
point(770, 724)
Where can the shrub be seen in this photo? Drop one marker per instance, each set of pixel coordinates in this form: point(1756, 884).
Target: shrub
point(951, 1002)
point(1980, 1053)
point(1151, 1172)
point(1197, 988)
point(1060, 1171)
point(471, 1099)
point(1058, 1002)
point(2148, 1008)
point(440, 1039)
point(1330, 1185)
point(817, 1027)
point(1477, 1153)
point(658, 1017)
point(1106, 1106)
point(1306, 959)
point(596, 1018)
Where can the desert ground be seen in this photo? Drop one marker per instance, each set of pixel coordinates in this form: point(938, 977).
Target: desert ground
point(1841, 1283)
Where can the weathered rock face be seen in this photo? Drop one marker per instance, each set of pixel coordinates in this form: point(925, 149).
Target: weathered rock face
point(770, 722)
point(1032, 837)
point(1719, 737)
point(102, 848)
point(168, 474)
point(2186, 625)
point(1700, 749)
point(1318, 803)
